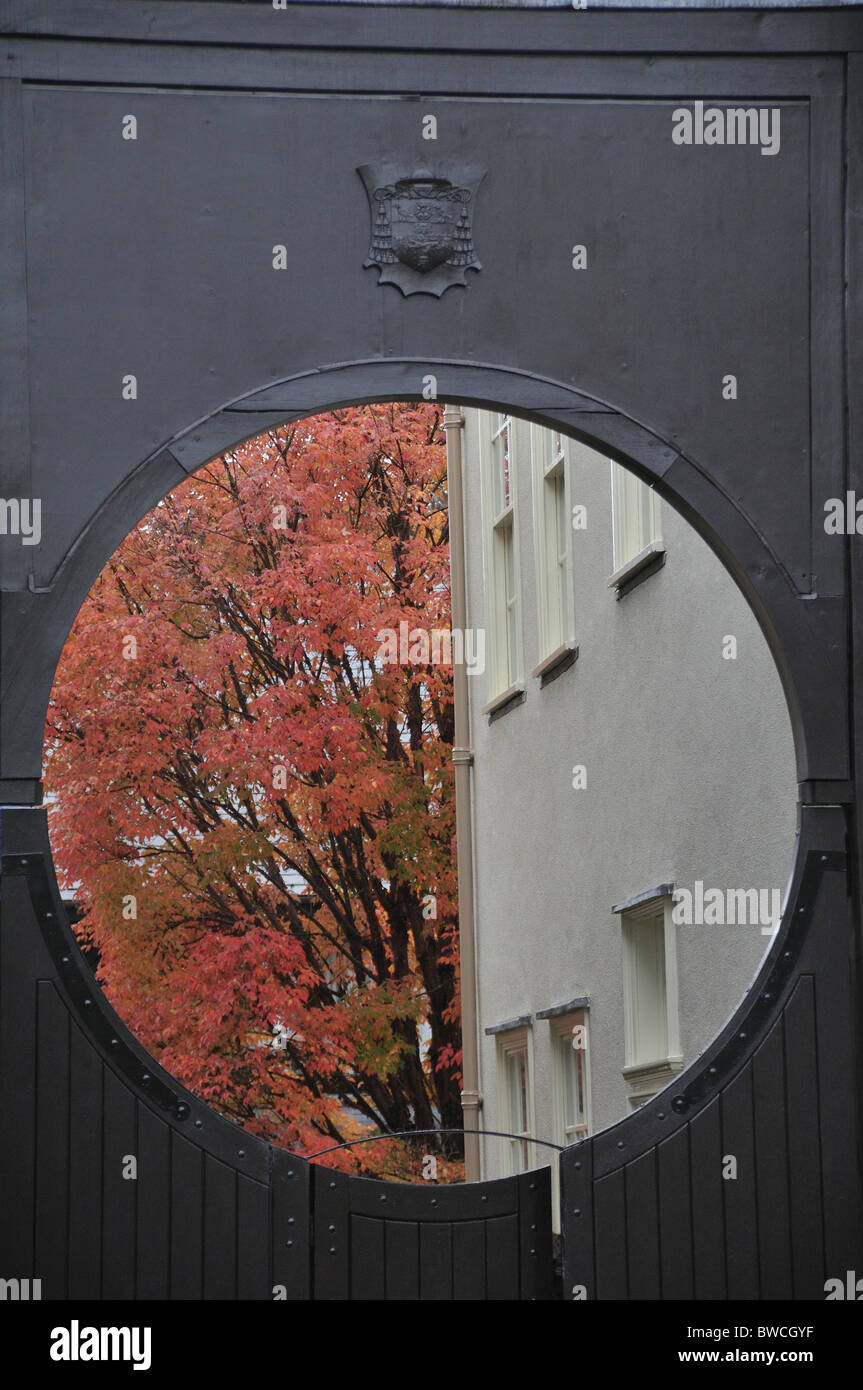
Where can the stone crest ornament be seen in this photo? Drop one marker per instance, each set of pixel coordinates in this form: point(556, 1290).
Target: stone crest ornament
point(422, 226)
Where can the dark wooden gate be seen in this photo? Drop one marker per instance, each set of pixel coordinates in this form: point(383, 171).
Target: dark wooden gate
point(218, 261)
point(213, 1212)
point(378, 1240)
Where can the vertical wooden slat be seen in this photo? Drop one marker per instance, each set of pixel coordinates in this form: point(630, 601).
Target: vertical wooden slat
point(332, 1242)
point(52, 1141)
point(119, 1194)
point(576, 1213)
point(253, 1240)
point(534, 1219)
point(771, 1166)
point(502, 1263)
point(804, 1159)
point(17, 1078)
point(741, 1208)
point(708, 1230)
point(436, 1260)
point(368, 1259)
point(187, 1229)
point(154, 1206)
point(675, 1217)
point(402, 1256)
point(85, 1167)
point(291, 1223)
point(642, 1227)
point(838, 1086)
point(220, 1230)
point(468, 1261)
point(610, 1236)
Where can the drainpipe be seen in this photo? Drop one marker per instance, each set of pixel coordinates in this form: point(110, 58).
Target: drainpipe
point(462, 756)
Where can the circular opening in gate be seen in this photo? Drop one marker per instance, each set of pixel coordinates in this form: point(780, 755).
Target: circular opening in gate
point(309, 674)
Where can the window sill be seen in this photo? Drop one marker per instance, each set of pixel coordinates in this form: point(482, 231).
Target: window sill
point(639, 568)
point(507, 699)
point(643, 1075)
point(556, 663)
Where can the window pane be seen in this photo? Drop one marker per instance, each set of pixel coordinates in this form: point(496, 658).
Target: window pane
point(570, 1103)
point(572, 1063)
point(581, 1107)
point(634, 515)
point(651, 1027)
point(561, 516)
point(501, 464)
point(517, 1075)
point(553, 440)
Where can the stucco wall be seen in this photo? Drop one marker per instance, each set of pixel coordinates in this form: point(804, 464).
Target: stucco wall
point(690, 775)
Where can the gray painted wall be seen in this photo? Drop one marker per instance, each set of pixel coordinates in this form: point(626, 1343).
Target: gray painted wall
point(690, 775)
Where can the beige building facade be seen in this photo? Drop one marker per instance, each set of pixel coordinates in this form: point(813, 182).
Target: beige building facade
point(629, 781)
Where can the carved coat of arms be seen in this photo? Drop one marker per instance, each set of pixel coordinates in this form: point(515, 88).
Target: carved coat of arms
point(422, 226)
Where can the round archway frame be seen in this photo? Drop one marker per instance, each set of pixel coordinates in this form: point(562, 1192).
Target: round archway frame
point(645, 1205)
point(806, 633)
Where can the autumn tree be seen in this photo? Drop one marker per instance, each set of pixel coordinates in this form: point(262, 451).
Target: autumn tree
point(254, 802)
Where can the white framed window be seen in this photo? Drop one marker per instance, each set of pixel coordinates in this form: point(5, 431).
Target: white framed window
point(635, 518)
point(651, 1027)
point(552, 540)
point(515, 1098)
point(570, 1077)
point(570, 1088)
point(500, 552)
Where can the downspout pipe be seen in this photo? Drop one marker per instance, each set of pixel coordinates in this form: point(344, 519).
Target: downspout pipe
point(462, 756)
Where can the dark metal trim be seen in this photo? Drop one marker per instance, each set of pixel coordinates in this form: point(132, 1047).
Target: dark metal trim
point(563, 663)
point(572, 1006)
point(662, 890)
point(602, 28)
point(518, 698)
point(523, 1021)
point(409, 1133)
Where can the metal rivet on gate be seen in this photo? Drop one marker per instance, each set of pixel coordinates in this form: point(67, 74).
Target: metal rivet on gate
point(578, 1164)
point(289, 1243)
point(145, 1079)
point(331, 1228)
point(824, 859)
point(332, 1250)
point(383, 1197)
point(533, 1187)
point(115, 1042)
point(786, 954)
point(48, 916)
point(620, 1143)
point(576, 1211)
point(291, 1220)
point(741, 1035)
point(712, 1071)
point(484, 1198)
point(533, 1226)
point(533, 1252)
point(679, 1104)
point(87, 1003)
point(332, 1184)
point(661, 1115)
point(24, 863)
point(182, 1110)
point(241, 1153)
point(767, 996)
point(291, 1174)
point(66, 960)
point(434, 1201)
